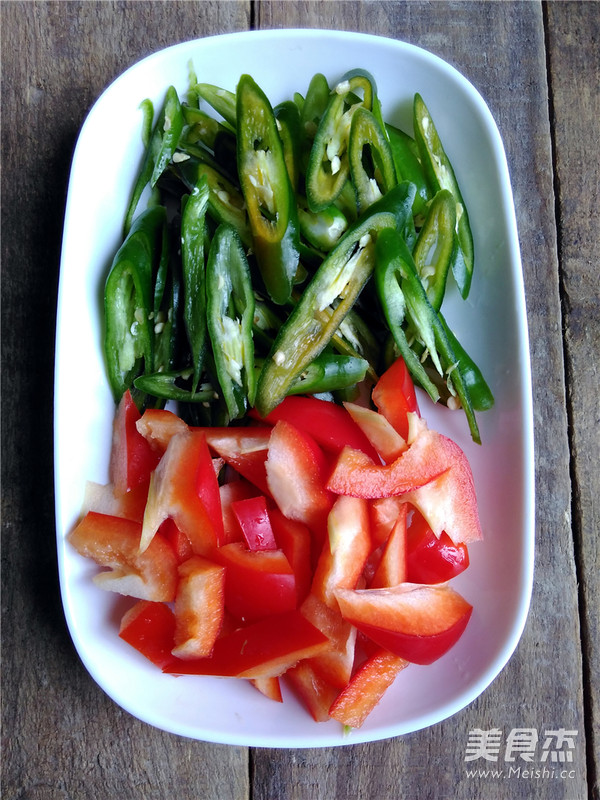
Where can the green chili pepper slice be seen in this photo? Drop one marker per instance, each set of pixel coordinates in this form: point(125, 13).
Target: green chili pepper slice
point(159, 152)
point(480, 393)
point(193, 230)
point(408, 166)
point(396, 276)
point(289, 126)
point(371, 163)
point(440, 175)
point(435, 247)
point(329, 373)
point(128, 302)
point(222, 100)
point(225, 201)
point(230, 316)
point(267, 190)
point(321, 229)
point(328, 164)
point(170, 385)
point(326, 300)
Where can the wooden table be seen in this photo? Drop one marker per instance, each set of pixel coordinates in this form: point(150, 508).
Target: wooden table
point(538, 67)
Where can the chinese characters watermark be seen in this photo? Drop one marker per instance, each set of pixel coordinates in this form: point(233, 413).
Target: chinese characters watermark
point(553, 749)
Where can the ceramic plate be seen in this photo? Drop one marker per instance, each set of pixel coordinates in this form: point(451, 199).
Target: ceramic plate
point(492, 323)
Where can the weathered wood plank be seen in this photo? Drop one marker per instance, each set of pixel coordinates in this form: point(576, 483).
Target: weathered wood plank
point(62, 737)
point(541, 686)
point(574, 60)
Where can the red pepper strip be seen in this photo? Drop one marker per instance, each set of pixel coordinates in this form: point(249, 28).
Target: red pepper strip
point(266, 648)
point(330, 425)
point(354, 704)
point(418, 623)
point(150, 628)
point(392, 568)
point(258, 583)
point(253, 518)
point(394, 395)
point(174, 493)
point(430, 559)
point(313, 691)
point(114, 542)
point(199, 607)
point(132, 458)
point(243, 448)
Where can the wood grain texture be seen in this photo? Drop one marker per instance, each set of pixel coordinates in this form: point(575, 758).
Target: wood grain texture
point(574, 69)
point(62, 737)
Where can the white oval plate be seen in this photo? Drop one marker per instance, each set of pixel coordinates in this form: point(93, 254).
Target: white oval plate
point(492, 324)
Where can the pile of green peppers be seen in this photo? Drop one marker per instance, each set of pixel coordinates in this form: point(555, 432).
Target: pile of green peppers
point(295, 249)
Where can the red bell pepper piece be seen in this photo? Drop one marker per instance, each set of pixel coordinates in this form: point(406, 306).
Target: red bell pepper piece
point(131, 459)
point(312, 689)
point(385, 439)
point(243, 448)
point(327, 423)
point(150, 628)
point(114, 542)
point(354, 703)
point(345, 550)
point(296, 475)
point(295, 540)
point(266, 648)
point(230, 492)
point(431, 559)
point(392, 569)
point(395, 397)
point(102, 498)
point(182, 547)
point(418, 623)
point(258, 583)
point(158, 426)
point(199, 607)
point(270, 687)
point(254, 521)
point(335, 664)
point(174, 493)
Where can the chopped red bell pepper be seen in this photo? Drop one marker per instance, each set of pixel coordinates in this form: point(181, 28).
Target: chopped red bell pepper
point(418, 623)
point(429, 558)
point(327, 423)
point(254, 521)
point(131, 459)
point(395, 397)
point(199, 607)
point(174, 493)
point(150, 628)
point(366, 688)
point(258, 583)
point(114, 542)
point(266, 648)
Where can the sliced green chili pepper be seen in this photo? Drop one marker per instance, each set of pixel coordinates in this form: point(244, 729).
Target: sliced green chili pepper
point(222, 100)
point(288, 124)
point(371, 164)
point(225, 201)
point(128, 302)
point(159, 152)
point(230, 316)
point(480, 393)
point(267, 191)
point(315, 103)
point(171, 386)
point(397, 277)
point(333, 290)
point(328, 165)
point(329, 373)
point(408, 166)
point(193, 229)
point(440, 175)
point(435, 247)
point(321, 229)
